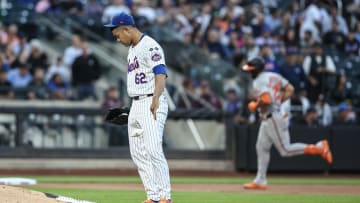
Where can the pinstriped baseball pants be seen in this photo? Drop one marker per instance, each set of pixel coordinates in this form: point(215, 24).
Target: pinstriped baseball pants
point(145, 141)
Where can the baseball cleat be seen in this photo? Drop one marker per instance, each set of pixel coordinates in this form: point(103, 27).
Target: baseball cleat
point(326, 153)
point(150, 201)
point(163, 200)
point(255, 186)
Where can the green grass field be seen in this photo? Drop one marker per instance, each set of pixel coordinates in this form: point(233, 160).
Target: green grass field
point(118, 196)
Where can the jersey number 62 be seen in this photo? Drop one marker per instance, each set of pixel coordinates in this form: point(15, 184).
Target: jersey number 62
point(140, 78)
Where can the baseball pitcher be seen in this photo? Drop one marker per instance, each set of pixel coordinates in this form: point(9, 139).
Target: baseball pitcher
point(271, 90)
point(145, 85)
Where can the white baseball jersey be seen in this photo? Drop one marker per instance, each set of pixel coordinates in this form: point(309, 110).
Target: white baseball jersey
point(142, 58)
point(145, 133)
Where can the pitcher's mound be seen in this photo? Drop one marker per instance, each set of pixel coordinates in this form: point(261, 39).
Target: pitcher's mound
point(10, 194)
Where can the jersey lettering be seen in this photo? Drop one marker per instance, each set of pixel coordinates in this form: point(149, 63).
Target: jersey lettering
point(275, 85)
point(134, 65)
point(140, 78)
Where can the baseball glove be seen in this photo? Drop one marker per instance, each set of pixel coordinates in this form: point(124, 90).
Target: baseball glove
point(118, 116)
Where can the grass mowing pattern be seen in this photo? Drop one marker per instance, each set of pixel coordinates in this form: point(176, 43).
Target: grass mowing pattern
point(200, 180)
point(118, 196)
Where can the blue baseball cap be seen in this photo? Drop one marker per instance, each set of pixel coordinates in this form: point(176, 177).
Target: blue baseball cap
point(120, 19)
point(343, 107)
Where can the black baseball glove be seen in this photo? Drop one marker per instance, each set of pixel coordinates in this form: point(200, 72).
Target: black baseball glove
point(118, 116)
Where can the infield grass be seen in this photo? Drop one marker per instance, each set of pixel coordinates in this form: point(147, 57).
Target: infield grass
point(131, 196)
point(123, 196)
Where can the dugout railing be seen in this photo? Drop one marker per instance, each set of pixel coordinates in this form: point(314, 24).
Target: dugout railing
point(239, 139)
point(17, 140)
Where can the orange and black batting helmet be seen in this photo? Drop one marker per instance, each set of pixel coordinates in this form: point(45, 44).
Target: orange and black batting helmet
point(254, 66)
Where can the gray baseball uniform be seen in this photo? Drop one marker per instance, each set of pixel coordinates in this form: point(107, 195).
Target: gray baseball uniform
point(274, 126)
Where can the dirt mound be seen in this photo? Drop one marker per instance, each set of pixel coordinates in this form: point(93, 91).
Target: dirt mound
point(10, 194)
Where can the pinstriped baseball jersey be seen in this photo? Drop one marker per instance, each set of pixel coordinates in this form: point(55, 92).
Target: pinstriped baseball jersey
point(271, 83)
point(146, 59)
point(142, 58)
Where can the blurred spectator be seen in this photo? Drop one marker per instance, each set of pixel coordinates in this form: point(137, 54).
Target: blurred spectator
point(233, 8)
point(58, 68)
point(5, 87)
point(292, 70)
point(22, 49)
point(209, 97)
point(58, 88)
point(265, 38)
point(341, 23)
point(144, 9)
point(115, 7)
point(232, 104)
point(317, 67)
point(342, 90)
point(19, 77)
point(258, 25)
point(85, 71)
point(37, 58)
point(250, 49)
point(94, 9)
point(345, 115)
point(291, 41)
point(213, 44)
point(273, 20)
point(233, 47)
point(112, 99)
point(165, 11)
point(204, 18)
point(37, 87)
point(72, 51)
point(285, 25)
point(295, 13)
point(270, 62)
point(308, 42)
point(12, 40)
point(10, 58)
point(3, 36)
point(352, 46)
point(3, 64)
point(310, 119)
point(311, 20)
point(189, 97)
point(324, 112)
point(335, 37)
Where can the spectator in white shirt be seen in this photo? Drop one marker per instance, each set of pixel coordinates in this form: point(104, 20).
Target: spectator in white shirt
point(72, 51)
point(116, 7)
point(58, 68)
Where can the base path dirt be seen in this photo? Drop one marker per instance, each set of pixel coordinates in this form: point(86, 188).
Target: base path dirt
point(272, 189)
point(9, 194)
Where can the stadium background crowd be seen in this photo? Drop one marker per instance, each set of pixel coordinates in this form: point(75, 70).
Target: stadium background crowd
point(314, 44)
